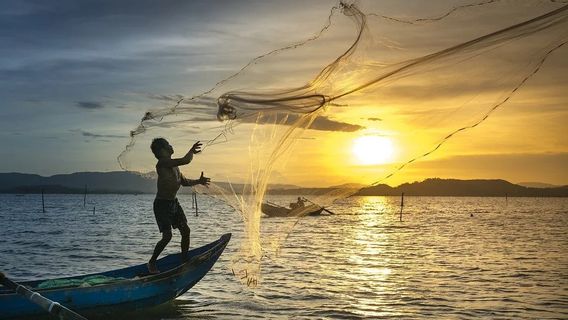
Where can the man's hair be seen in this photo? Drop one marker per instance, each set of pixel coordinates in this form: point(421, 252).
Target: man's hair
point(157, 145)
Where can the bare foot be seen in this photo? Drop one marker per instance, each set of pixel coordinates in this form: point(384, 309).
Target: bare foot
point(152, 268)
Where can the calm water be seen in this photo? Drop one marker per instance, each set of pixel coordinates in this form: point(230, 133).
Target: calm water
point(508, 261)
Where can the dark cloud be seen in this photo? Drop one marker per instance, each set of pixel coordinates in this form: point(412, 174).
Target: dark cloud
point(96, 135)
point(164, 97)
point(89, 105)
point(326, 124)
point(321, 123)
point(374, 119)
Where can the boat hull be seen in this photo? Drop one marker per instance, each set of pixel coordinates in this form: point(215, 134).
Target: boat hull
point(138, 290)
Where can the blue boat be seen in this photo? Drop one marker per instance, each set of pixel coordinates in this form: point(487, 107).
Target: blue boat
point(131, 288)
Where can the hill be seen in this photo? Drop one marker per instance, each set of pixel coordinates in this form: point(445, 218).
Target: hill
point(126, 182)
point(133, 182)
point(454, 187)
point(96, 182)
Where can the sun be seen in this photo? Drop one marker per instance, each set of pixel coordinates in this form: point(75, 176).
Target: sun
point(370, 149)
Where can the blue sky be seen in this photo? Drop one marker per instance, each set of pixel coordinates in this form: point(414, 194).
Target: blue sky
point(75, 75)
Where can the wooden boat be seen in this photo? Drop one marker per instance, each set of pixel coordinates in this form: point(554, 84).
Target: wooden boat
point(133, 289)
point(272, 210)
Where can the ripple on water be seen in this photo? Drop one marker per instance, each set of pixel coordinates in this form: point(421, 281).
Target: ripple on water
point(506, 262)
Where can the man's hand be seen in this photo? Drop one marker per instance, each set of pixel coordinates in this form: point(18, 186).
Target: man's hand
point(203, 180)
point(196, 148)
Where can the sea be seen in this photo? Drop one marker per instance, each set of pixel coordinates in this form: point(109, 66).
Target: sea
point(449, 257)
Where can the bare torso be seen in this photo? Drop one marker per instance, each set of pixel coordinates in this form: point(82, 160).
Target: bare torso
point(169, 181)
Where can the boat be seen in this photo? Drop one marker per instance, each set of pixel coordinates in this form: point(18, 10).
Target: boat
point(272, 210)
point(132, 288)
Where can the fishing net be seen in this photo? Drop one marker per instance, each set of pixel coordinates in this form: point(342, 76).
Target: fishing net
point(408, 78)
point(89, 281)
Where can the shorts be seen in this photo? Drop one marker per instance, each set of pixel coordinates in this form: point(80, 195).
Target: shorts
point(169, 214)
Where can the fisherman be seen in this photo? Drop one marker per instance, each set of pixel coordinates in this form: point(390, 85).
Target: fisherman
point(167, 210)
point(298, 204)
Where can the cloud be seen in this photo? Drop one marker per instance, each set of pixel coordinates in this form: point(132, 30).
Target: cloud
point(326, 124)
point(96, 135)
point(374, 119)
point(89, 105)
point(321, 123)
point(164, 97)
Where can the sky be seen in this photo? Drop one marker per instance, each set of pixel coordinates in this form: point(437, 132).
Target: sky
point(77, 76)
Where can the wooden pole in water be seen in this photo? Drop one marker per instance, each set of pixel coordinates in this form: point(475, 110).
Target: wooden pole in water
point(85, 197)
point(401, 205)
point(42, 202)
point(93, 210)
point(195, 199)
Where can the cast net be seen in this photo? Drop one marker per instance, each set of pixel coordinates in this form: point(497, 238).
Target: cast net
point(408, 78)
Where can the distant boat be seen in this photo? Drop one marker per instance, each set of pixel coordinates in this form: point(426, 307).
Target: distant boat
point(273, 210)
point(132, 288)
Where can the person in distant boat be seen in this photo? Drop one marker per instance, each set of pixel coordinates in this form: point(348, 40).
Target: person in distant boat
point(298, 204)
point(167, 210)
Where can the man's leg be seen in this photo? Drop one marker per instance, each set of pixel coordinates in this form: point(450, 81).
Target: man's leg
point(160, 246)
point(185, 232)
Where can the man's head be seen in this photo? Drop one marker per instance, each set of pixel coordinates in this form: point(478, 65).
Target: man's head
point(161, 148)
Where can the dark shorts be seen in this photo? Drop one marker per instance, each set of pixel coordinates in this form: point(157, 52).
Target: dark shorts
point(169, 214)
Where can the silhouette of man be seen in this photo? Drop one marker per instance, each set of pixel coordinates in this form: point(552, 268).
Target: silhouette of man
point(167, 210)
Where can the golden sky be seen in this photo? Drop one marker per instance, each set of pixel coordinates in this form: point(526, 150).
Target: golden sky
point(74, 97)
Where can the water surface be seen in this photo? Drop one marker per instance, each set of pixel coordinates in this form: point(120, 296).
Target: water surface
point(507, 261)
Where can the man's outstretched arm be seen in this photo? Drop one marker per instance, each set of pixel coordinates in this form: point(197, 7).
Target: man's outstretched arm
point(169, 163)
point(188, 182)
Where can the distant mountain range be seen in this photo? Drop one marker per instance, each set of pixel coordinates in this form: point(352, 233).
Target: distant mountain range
point(135, 183)
point(122, 182)
point(96, 182)
point(454, 187)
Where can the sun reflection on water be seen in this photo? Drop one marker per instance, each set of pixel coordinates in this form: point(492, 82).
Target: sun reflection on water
point(369, 259)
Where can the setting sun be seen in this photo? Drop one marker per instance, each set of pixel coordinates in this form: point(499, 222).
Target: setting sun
point(370, 150)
